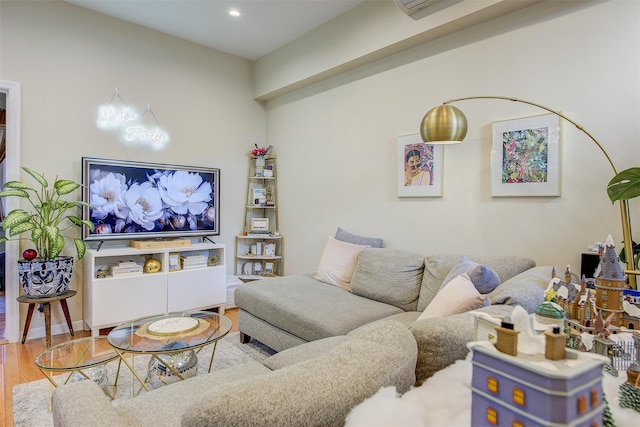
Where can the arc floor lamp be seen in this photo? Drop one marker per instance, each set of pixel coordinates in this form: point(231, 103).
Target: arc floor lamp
point(447, 124)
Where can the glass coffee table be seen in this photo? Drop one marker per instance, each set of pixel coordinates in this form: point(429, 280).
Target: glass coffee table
point(172, 340)
point(83, 358)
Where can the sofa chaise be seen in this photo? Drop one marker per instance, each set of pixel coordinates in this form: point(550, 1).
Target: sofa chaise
point(387, 284)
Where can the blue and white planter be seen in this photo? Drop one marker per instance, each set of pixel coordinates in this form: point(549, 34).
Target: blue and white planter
point(42, 278)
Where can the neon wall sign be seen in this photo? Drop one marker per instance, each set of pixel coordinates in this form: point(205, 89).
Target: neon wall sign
point(110, 117)
point(157, 138)
point(117, 115)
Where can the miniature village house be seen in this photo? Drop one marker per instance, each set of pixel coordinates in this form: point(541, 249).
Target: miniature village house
point(610, 285)
point(575, 300)
point(587, 310)
point(631, 306)
point(533, 390)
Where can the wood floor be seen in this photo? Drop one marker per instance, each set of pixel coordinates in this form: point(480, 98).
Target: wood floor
point(17, 367)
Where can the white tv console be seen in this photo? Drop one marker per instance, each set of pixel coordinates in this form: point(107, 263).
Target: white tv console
point(110, 301)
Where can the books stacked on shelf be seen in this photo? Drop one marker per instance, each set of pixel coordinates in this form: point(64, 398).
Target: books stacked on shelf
point(125, 268)
point(193, 261)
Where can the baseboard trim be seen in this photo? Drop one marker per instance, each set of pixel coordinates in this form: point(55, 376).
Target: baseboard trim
point(59, 328)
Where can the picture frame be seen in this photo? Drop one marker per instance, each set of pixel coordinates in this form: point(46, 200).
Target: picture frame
point(174, 262)
point(259, 225)
point(259, 196)
point(268, 268)
point(525, 157)
point(269, 249)
point(257, 269)
point(420, 167)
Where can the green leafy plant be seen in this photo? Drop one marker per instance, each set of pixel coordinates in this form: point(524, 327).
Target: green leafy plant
point(624, 186)
point(48, 218)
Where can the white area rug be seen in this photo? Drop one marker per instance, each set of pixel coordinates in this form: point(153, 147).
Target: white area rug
point(444, 400)
point(31, 400)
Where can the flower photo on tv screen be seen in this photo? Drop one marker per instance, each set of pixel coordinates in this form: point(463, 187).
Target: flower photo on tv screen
point(132, 199)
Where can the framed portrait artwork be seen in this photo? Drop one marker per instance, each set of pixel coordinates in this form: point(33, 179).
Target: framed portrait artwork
point(419, 167)
point(525, 157)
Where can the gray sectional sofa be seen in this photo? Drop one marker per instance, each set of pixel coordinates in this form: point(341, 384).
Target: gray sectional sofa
point(336, 347)
point(387, 284)
point(310, 385)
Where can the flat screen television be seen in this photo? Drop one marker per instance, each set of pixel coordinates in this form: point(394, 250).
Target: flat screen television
point(132, 200)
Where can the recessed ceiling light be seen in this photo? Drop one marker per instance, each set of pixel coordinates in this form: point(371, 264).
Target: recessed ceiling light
point(234, 12)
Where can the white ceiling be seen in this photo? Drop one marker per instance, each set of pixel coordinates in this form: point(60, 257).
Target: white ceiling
point(264, 25)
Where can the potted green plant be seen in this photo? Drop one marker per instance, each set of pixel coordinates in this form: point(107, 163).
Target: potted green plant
point(43, 270)
point(624, 186)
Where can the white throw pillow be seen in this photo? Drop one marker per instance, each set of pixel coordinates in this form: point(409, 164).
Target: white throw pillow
point(457, 296)
point(338, 262)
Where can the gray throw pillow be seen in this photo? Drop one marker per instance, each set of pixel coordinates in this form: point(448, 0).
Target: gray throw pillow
point(345, 236)
point(484, 279)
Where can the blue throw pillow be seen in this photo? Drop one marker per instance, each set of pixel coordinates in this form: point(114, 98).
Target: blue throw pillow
point(345, 236)
point(484, 279)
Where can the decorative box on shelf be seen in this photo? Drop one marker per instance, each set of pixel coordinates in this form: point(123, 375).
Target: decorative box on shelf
point(160, 243)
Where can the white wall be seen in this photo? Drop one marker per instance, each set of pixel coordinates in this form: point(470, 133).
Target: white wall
point(337, 139)
point(69, 60)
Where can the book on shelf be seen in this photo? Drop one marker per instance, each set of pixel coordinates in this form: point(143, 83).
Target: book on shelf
point(125, 271)
point(125, 267)
point(193, 261)
point(193, 266)
point(125, 274)
point(124, 264)
point(194, 258)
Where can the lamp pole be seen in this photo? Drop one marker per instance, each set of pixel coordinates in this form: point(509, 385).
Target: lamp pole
point(624, 206)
